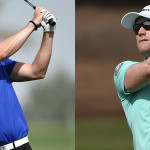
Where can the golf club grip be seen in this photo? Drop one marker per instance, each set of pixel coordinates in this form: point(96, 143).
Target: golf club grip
point(34, 7)
point(51, 21)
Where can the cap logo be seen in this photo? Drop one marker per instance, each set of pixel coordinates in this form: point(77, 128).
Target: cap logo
point(145, 9)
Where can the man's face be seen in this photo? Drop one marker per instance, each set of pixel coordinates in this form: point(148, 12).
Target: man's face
point(143, 38)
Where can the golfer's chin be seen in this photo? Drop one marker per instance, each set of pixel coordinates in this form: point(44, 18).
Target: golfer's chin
point(144, 50)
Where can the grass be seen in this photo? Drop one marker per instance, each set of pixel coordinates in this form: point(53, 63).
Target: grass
point(103, 134)
point(51, 136)
point(91, 134)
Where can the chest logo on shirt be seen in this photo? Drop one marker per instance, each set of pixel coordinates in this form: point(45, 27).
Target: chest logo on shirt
point(118, 68)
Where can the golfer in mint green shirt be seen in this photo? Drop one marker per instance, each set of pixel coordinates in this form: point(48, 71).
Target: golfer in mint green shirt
point(132, 80)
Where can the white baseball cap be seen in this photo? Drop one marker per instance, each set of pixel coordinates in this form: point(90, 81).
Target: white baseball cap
point(128, 20)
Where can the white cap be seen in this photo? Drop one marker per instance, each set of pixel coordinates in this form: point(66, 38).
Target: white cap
point(128, 20)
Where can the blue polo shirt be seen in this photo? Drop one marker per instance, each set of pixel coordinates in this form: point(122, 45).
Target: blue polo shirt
point(13, 125)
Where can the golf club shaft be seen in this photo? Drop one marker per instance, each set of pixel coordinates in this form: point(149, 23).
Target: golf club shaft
point(30, 4)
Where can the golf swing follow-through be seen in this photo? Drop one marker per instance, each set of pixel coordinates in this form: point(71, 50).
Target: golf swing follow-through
point(132, 80)
point(13, 125)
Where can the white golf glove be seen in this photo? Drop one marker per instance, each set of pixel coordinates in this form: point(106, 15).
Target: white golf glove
point(45, 24)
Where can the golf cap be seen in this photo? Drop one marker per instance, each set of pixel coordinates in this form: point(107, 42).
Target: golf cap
point(128, 20)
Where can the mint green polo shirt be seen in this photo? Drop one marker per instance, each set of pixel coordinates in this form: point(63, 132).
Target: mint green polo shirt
point(136, 106)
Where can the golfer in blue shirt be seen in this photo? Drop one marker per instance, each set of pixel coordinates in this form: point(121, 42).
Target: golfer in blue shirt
point(13, 126)
point(132, 80)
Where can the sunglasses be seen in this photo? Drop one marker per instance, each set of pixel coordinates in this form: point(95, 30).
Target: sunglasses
point(145, 25)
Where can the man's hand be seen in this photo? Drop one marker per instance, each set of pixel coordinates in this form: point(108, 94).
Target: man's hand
point(45, 23)
point(38, 16)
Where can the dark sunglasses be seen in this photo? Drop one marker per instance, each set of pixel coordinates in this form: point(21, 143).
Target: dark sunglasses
point(145, 25)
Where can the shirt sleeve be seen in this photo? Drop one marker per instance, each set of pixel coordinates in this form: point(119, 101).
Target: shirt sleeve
point(9, 65)
point(119, 76)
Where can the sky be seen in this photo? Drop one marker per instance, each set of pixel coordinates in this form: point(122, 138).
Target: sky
point(15, 14)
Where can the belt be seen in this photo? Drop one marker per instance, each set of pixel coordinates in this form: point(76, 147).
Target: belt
point(15, 144)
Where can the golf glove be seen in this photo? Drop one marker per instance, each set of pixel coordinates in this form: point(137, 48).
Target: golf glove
point(45, 23)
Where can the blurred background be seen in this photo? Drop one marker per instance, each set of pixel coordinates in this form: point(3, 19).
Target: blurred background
point(102, 43)
point(49, 104)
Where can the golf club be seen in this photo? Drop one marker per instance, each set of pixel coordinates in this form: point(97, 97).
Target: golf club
point(51, 21)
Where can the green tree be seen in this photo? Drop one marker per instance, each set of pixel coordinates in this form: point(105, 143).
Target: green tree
point(53, 101)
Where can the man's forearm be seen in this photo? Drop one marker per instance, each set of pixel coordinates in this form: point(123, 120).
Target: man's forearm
point(11, 45)
point(42, 59)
